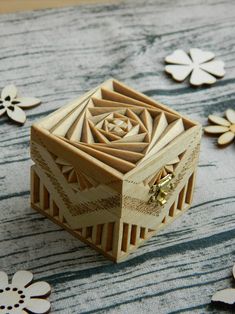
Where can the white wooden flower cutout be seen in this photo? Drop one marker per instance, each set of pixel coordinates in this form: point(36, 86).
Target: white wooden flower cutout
point(223, 126)
point(226, 296)
point(22, 297)
point(11, 104)
point(198, 64)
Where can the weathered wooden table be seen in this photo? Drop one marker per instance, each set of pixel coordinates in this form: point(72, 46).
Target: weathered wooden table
point(58, 54)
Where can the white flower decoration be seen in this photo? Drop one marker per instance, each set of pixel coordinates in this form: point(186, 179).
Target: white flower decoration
point(11, 104)
point(21, 296)
point(198, 64)
point(223, 126)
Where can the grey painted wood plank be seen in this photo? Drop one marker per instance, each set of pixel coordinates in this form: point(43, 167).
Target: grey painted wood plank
point(57, 55)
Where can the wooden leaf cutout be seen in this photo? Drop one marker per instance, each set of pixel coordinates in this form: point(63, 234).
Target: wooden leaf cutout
point(226, 138)
point(178, 72)
point(27, 102)
point(218, 120)
point(200, 56)
point(38, 306)
point(178, 57)
point(9, 91)
point(214, 67)
point(17, 114)
point(200, 77)
point(216, 129)
point(230, 114)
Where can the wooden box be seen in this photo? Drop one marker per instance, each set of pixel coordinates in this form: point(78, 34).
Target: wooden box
point(114, 167)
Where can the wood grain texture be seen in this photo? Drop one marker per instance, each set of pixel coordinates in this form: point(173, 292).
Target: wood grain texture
point(99, 190)
point(27, 5)
point(57, 55)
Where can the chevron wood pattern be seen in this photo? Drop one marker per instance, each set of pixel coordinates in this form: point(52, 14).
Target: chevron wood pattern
point(97, 159)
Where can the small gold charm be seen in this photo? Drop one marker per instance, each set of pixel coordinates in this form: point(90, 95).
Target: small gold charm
point(160, 190)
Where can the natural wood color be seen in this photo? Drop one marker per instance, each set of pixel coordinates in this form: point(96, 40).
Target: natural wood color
point(197, 64)
point(223, 126)
point(97, 184)
point(23, 295)
point(225, 296)
point(7, 6)
point(126, 245)
point(11, 104)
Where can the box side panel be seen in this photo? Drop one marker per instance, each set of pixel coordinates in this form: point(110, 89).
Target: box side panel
point(142, 219)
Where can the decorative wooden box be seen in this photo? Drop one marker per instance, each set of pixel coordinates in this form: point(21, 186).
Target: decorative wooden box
point(114, 167)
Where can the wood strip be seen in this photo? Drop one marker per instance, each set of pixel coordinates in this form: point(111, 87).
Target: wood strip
point(28, 5)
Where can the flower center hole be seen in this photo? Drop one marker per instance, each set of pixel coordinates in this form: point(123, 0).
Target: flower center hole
point(11, 107)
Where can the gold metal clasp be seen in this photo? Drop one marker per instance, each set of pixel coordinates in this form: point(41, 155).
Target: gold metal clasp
point(160, 190)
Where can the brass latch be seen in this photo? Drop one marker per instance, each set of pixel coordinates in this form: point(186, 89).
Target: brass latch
point(160, 190)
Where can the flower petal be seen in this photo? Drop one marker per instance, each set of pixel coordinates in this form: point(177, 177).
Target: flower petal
point(214, 67)
point(3, 279)
point(9, 90)
point(17, 114)
point(216, 129)
point(230, 115)
point(199, 56)
point(27, 102)
point(226, 296)
point(2, 111)
point(22, 278)
point(226, 138)
point(178, 72)
point(218, 120)
point(38, 306)
point(39, 289)
point(179, 57)
point(199, 77)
